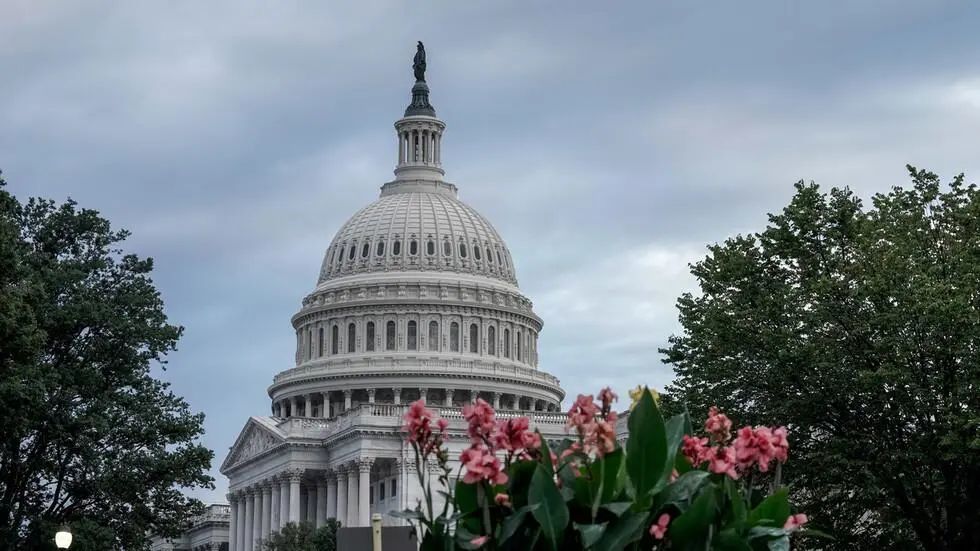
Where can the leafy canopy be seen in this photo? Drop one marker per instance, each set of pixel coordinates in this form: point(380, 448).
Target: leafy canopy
point(859, 328)
point(89, 437)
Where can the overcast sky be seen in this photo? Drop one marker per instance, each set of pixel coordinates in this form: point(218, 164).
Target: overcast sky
point(607, 146)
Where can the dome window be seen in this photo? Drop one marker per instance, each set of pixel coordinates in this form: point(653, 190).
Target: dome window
point(430, 247)
point(462, 250)
point(396, 248)
point(447, 248)
point(369, 339)
point(380, 250)
point(334, 339)
point(519, 358)
point(365, 250)
point(413, 336)
point(454, 337)
point(351, 338)
point(340, 257)
point(489, 256)
point(433, 336)
point(319, 342)
point(498, 257)
point(491, 341)
point(476, 252)
point(351, 252)
point(390, 335)
point(507, 343)
point(413, 247)
point(474, 339)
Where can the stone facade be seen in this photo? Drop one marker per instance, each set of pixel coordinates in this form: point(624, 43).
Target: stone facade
point(417, 297)
point(207, 532)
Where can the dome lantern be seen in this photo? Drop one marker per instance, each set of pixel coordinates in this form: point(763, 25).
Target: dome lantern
point(419, 132)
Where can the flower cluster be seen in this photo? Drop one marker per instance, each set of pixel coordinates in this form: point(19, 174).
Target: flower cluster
point(488, 435)
point(758, 446)
point(594, 423)
point(418, 423)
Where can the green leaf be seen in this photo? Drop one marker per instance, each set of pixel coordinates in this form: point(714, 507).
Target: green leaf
point(466, 499)
point(774, 508)
point(730, 540)
point(623, 531)
point(617, 507)
point(646, 449)
point(682, 491)
point(690, 529)
point(519, 481)
point(590, 533)
point(407, 514)
point(545, 453)
point(675, 436)
point(737, 510)
point(512, 522)
point(551, 513)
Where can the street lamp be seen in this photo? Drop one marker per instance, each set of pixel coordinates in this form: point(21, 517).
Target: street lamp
point(63, 537)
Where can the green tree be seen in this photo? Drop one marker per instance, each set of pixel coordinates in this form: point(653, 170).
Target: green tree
point(89, 437)
point(304, 537)
point(860, 329)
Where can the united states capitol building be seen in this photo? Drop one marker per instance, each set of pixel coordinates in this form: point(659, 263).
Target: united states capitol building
point(417, 297)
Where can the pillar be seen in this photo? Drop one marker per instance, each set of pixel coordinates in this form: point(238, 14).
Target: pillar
point(283, 501)
point(266, 509)
point(233, 522)
point(294, 478)
point(242, 523)
point(496, 400)
point(347, 400)
point(474, 394)
point(256, 518)
point(449, 397)
point(310, 503)
point(352, 493)
point(342, 496)
point(398, 395)
point(292, 407)
point(326, 405)
point(321, 502)
point(247, 528)
point(274, 517)
point(332, 495)
point(364, 492)
point(424, 394)
point(370, 392)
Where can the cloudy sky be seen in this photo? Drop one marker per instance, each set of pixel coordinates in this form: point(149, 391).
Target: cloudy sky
point(608, 146)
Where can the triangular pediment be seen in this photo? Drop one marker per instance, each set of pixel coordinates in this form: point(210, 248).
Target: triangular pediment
point(256, 438)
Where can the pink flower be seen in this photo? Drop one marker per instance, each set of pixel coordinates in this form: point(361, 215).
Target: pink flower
point(760, 446)
point(607, 397)
point(583, 412)
point(794, 522)
point(502, 500)
point(695, 449)
point(480, 416)
point(721, 460)
point(659, 528)
point(481, 464)
point(605, 438)
point(718, 425)
point(515, 435)
point(780, 443)
point(418, 424)
point(479, 541)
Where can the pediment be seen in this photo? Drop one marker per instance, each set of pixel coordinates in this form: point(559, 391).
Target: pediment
point(255, 439)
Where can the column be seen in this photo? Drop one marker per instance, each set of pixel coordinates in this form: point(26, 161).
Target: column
point(370, 392)
point(363, 492)
point(242, 523)
point(266, 509)
point(398, 395)
point(310, 503)
point(449, 398)
point(474, 394)
point(292, 407)
point(347, 401)
point(326, 405)
point(276, 505)
point(332, 494)
point(342, 495)
point(283, 501)
point(232, 522)
point(321, 502)
point(256, 518)
point(352, 494)
point(513, 402)
point(247, 528)
point(424, 394)
point(294, 478)
point(496, 400)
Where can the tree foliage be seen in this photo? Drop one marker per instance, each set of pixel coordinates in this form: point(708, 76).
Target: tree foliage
point(304, 537)
point(89, 437)
point(860, 327)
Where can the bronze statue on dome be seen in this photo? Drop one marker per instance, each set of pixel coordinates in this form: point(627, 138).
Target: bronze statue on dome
point(419, 65)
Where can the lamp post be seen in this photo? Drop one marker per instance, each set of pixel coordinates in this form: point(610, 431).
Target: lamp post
point(63, 537)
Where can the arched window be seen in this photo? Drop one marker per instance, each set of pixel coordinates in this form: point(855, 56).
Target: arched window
point(433, 335)
point(498, 257)
point(309, 344)
point(396, 248)
point(462, 250)
point(365, 250)
point(351, 337)
point(454, 337)
point(319, 342)
point(334, 340)
point(476, 252)
point(369, 338)
point(413, 247)
point(474, 339)
point(491, 341)
point(413, 336)
point(351, 252)
point(390, 335)
point(380, 249)
point(507, 343)
point(430, 247)
point(519, 356)
point(340, 257)
point(447, 248)
point(489, 256)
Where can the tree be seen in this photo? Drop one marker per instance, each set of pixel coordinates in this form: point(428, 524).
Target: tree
point(89, 437)
point(304, 537)
point(860, 327)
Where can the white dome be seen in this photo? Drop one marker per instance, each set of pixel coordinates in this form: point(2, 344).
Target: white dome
point(418, 228)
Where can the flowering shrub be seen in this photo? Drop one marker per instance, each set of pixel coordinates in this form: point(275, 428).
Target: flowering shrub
point(669, 488)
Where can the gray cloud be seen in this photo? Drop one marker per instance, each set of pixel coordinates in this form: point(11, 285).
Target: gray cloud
point(607, 144)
